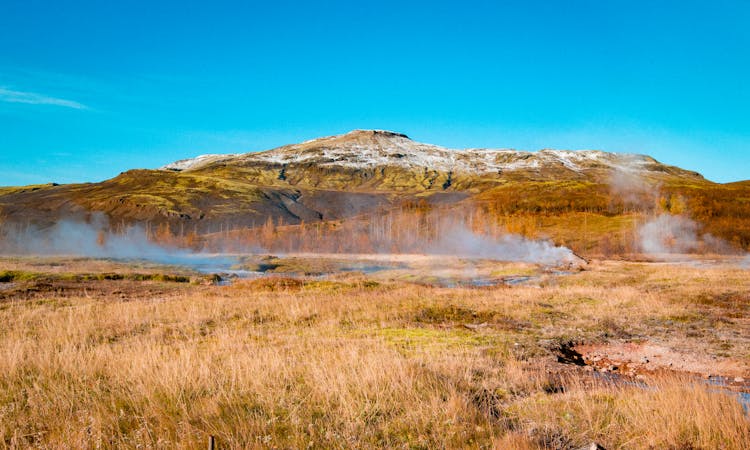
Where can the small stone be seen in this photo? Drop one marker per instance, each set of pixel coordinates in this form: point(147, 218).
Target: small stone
point(592, 446)
point(739, 380)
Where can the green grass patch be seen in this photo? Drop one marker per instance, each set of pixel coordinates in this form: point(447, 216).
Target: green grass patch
point(17, 275)
point(451, 314)
point(411, 339)
point(515, 271)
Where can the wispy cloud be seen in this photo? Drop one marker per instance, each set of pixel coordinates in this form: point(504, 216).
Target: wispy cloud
point(32, 98)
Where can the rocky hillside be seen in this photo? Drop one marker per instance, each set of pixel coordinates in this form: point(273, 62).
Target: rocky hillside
point(365, 171)
point(387, 161)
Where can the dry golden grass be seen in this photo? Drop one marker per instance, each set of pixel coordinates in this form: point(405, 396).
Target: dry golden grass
point(357, 364)
point(671, 412)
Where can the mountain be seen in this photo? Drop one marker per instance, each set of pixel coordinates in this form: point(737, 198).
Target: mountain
point(366, 171)
point(360, 158)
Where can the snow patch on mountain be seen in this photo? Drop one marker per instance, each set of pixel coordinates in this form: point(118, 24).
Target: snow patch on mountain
point(368, 149)
point(201, 160)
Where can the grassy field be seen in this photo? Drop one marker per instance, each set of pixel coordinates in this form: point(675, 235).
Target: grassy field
point(357, 361)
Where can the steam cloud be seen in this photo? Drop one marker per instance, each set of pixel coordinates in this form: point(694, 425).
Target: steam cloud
point(670, 234)
point(631, 187)
point(88, 239)
point(459, 240)
point(667, 234)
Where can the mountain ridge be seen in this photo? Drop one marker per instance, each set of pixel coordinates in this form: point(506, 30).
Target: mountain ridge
point(381, 144)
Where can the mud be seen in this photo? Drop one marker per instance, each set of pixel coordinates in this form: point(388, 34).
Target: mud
point(635, 364)
point(631, 358)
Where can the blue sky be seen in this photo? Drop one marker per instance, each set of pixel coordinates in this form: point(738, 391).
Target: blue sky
point(89, 88)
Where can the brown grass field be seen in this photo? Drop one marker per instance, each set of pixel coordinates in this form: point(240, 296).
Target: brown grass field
point(373, 361)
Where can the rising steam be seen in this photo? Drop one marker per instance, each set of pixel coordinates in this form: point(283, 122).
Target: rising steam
point(91, 238)
point(458, 240)
point(632, 188)
point(668, 234)
point(669, 231)
point(75, 238)
point(435, 233)
point(467, 232)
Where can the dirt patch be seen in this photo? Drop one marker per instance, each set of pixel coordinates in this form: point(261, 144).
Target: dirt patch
point(632, 359)
point(7, 286)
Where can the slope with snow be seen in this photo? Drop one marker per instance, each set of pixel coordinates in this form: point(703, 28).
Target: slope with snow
point(369, 149)
point(198, 161)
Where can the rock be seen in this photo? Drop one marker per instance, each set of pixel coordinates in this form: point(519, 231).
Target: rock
point(472, 326)
point(739, 380)
point(591, 446)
